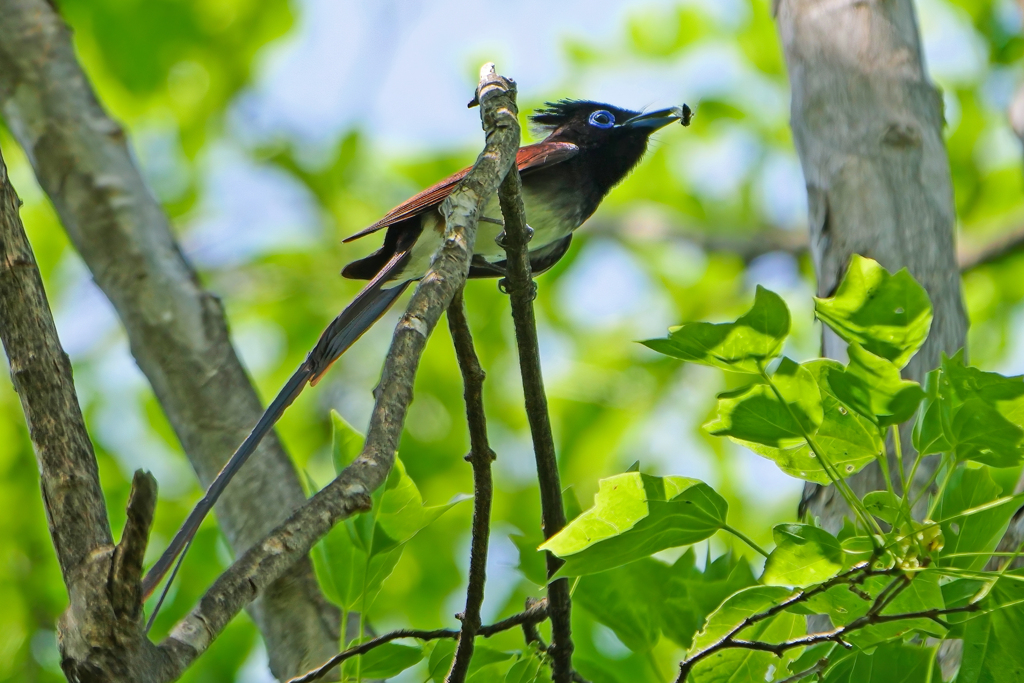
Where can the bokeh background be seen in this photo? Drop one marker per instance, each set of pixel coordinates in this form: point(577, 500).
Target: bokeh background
point(271, 129)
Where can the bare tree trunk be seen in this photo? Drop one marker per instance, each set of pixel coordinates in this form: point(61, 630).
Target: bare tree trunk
point(177, 329)
point(867, 123)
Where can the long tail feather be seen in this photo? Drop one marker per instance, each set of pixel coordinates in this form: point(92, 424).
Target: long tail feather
point(371, 303)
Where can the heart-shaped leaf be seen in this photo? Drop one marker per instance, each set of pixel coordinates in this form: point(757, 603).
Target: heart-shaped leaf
point(742, 346)
point(636, 515)
point(889, 315)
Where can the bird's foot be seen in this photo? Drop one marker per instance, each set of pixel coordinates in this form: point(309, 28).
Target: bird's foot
point(503, 287)
point(502, 238)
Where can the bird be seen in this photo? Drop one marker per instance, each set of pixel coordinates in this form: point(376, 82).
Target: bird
point(589, 148)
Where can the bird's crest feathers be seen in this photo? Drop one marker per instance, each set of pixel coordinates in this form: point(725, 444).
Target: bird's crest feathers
point(555, 114)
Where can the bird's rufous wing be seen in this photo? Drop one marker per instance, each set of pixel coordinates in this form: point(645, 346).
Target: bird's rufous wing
point(531, 157)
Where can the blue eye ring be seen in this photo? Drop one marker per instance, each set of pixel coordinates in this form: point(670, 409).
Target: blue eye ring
point(602, 119)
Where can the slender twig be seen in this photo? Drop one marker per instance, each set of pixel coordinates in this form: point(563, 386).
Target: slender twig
point(530, 632)
point(480, 457)
point(889, 593)
point(853, 576)
point(521, 290)
point(534, 614)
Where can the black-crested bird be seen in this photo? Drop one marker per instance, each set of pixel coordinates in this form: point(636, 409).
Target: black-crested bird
point(590, 148)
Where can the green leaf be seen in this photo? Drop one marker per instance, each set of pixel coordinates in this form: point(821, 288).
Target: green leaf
point(1006, 393)
point(745, 665)
point(625, 599)
point(742, 346)
point(385, 661)
point(980, 433)
point(959, 593)
point(976, 415)
point(755, 414)
point(357, 556)
point(532, 564)
point(810, 656)
point(968, 489)
point(346, 442)
point(872, 386)
point(351, 574)
point(848, 440)
point(804, 555)
point(636, 515)
point(483, 657)
point(994, 641)
point(689, 595)
point(888, 663)
point(531, 667)
point(441, 659)
point(883, 505)
point(734, 611)
point(933, 422)
point(571, 503)
point(889, 315)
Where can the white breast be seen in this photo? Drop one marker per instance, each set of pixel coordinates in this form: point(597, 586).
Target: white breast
point(548, 225)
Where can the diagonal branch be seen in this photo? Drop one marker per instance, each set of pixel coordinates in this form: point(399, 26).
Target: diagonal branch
point(480, 457)
point(102, 581)
point(522, 290)
point(350, 492)
point(41, 373)
point(177, 329)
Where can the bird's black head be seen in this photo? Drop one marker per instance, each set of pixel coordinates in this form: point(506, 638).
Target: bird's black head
point(592, 124)
point(611, 140)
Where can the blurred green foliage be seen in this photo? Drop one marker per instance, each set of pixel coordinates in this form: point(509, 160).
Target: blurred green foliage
point(172, 69)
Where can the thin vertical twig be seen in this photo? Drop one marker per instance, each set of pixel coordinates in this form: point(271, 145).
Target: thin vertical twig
point(480, 457)
point(521, 290)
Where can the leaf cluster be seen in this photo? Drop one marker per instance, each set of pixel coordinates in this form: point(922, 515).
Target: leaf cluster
point(894, 576)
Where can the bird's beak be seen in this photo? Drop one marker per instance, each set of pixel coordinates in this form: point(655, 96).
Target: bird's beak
point(653, 120)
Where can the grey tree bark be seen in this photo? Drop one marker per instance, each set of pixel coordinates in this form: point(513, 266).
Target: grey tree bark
point(867, 123)
point(177, 329)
